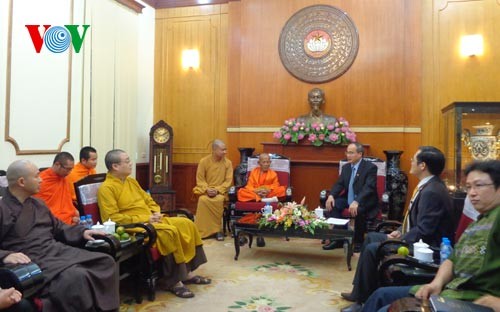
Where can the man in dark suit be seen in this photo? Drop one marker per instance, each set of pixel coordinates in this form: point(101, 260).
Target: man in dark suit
point(428, 218)
point(356, 189)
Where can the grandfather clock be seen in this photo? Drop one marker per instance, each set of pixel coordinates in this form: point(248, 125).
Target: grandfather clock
point(160, 165)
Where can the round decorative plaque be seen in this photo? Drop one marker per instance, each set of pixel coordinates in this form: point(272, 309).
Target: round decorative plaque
point(318, 43)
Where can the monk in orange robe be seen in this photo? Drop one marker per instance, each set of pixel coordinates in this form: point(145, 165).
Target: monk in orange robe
point(55, 189)
point(262, 182)
point(86, 167)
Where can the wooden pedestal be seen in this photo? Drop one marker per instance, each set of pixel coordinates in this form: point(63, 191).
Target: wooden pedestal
point(312, 168)
point(166, 200)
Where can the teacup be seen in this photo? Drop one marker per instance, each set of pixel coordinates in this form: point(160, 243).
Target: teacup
point(109, 226)
point(319, 212)
point(267, 209)
point(98, 227)
point(424, 254)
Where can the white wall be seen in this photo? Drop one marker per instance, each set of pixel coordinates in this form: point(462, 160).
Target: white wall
point(110, 81)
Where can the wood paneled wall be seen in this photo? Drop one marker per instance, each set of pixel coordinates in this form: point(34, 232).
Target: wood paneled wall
point(450, 77)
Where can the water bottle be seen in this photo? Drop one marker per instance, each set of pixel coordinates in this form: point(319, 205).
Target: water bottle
point(89, 221)
point(445, 249)
point(83, 221)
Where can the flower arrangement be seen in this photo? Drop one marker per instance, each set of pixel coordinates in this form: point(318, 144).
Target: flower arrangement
point(293, 215)
point(338, 133)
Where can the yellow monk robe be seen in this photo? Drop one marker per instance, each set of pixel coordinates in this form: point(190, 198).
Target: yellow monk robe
point(259, 179)
point(213, 174)
point(79, 172)
point(55, 191)
point(126, 202)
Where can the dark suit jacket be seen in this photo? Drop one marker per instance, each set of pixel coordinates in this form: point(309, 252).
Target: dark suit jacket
point(431, 214)
point(364, 186)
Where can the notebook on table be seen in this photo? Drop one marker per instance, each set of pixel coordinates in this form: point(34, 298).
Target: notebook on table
point(441, 304)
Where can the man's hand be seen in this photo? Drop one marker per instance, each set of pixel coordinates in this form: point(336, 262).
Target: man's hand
point(394, 235)
point(353, 208)
point(155, 217)
point(427, 290)
point(15, 258)
point(75, 220)
point(489, 301)
point(89, 233)
point(211, 192)
point(9, 297)
point(330, 202)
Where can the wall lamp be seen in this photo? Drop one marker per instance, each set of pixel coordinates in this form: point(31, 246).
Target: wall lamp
point(471, 45)
point(190, 59)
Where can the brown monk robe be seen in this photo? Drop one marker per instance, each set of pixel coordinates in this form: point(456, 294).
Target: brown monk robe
point(74, 279)
point(262, 182)
point(55, 189)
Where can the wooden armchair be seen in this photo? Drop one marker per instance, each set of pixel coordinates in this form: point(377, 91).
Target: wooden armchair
point(134, 257)
point(396, 270)
point(237, 209)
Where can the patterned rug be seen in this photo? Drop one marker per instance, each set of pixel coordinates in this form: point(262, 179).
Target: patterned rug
point(295, 275)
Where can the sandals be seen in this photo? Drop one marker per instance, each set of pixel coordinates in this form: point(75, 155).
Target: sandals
point(181, 292)
point(198, 280)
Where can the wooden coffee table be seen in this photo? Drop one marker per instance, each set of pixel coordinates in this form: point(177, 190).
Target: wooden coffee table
point(245, 229)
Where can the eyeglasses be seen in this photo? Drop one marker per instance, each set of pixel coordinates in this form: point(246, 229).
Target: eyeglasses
point(477, 186)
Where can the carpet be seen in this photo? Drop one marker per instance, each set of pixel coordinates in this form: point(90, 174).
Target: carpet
point(295, 275)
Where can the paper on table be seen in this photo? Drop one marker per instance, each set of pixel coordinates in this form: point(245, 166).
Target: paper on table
point(337, 221)
point(270, 200)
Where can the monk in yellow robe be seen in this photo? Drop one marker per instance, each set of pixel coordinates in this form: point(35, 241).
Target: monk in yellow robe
point(121, 199)
point(262, 182)
point(213, 179)
point(55, 189)
point(86, 167)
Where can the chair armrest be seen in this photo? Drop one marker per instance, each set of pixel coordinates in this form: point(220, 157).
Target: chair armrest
point(150, 232)
point(181, 211)
point(388, 224)
point(232, 194)
point(390, 247)
point(409, 262)
point(26, 278)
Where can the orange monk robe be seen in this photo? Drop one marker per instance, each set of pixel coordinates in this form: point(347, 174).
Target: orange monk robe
point(55, 192)
point(259, 179)
point(79, 172)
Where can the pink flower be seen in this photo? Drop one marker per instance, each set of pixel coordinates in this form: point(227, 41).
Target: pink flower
point(318, 128)
point(312, 137)
point(344, 129)
point(287, 136)
point(330, 127)
point(314, 125)
point(300, 136)
point(337, 130)
point(295, 128)
point(265, 308)
point(321, 136)
point(333, 137)
point(277, 135)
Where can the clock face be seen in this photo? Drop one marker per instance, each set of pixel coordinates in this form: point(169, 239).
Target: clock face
point(161, 135)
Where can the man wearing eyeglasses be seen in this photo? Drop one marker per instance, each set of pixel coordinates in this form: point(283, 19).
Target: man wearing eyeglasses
point(355, 189)
point(428, 218)
point(55, 189)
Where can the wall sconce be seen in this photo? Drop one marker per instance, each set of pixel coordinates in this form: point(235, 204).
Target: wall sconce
point(190, 59)
point(471, 45)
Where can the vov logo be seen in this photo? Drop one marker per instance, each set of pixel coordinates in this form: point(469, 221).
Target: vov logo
point(57, 38)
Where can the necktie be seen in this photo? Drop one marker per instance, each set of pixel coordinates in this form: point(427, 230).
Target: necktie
point(406, 220)
point(350, 190)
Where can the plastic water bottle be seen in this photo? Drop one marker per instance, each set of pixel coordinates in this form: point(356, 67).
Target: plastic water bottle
point(89, 221)
point(446, 249)
point(83, 221)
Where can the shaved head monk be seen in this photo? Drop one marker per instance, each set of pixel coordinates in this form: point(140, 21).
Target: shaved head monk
point(213, 178)
point(86, 167)
point(262, 182)
point(55, 189)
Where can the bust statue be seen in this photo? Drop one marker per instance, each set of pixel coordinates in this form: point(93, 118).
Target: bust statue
point(316, 98)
